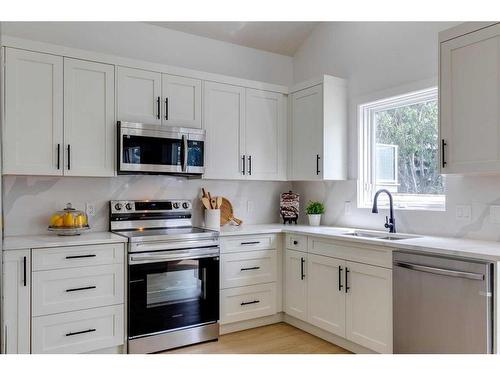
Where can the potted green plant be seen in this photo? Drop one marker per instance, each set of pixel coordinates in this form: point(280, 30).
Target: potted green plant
point(314, 210)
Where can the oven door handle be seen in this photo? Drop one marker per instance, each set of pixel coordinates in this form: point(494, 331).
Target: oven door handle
point(153, 259)
point(198, 253)
point(185, 153)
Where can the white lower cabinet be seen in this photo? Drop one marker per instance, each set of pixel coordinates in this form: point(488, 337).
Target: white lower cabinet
point(349, 299)
point(326, 294)
point(78, 331)
point(369, 306)
point(295, 284)
point(16, 314)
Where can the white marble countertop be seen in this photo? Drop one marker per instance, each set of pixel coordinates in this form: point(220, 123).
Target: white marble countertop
point(488, 250)
point(53, 240)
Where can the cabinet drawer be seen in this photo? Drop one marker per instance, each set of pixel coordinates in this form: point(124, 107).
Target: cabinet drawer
point(77, 256)
point(247, 243)
point(296, 242)
point(77, 288)
point(248, 302)
point(248, 268)
point(79, 331)
point(362, 253)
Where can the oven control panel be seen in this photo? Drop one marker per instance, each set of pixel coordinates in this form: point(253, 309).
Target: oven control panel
point(150, 206)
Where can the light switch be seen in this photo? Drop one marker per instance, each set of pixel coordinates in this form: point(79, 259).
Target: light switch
point(463, 212)
point(495, 214)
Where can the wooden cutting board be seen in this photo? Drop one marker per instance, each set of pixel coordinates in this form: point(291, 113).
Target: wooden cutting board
point(226, 213)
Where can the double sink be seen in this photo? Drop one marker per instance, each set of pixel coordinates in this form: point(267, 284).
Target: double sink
point(379, 235)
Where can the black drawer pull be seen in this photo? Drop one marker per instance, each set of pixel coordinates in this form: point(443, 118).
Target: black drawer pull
point(249, 303)
point(250, 268)
point(80, 256)
point(82, 288)
point(250, 243)
point(302, 274)
point(81, 332)
point(340, 278)
point(347, 287)
point(295, 242)
point(24, 271)
point(443, 144)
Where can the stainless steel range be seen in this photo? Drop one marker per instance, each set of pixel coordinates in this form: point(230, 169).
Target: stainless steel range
point(173, 275)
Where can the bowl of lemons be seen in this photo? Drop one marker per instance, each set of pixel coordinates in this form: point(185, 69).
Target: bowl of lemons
point(69, 222)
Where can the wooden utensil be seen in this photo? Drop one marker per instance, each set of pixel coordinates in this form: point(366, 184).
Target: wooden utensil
point(226, 213)
point(219, 202)
point(209, 199)
point(204, 193)
point(206, 203)
point(213, 203)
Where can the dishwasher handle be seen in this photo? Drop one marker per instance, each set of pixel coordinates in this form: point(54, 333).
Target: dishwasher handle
point(441, 271)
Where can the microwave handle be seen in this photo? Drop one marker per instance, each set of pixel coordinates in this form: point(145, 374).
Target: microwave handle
point(184, 153)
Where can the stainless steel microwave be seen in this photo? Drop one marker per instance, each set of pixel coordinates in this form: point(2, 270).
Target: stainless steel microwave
point(157, 149)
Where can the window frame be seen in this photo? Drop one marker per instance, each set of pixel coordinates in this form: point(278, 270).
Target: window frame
point(367, 152)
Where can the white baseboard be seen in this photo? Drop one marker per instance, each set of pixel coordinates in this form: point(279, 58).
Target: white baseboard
point(252, 323)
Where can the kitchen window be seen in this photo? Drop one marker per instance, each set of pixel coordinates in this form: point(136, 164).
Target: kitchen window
point(398, 144)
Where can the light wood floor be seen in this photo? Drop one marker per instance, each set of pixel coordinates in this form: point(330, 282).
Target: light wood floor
point(278, 338)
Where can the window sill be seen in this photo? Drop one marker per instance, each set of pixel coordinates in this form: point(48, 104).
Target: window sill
point(409, 208)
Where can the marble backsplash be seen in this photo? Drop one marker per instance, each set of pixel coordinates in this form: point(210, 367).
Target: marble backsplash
point(28, 202)
point(480, 192)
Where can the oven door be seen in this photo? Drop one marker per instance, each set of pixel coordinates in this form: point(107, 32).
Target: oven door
point(169, 290)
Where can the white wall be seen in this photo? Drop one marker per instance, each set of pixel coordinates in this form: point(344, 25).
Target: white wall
point(380, 60)
point(160, 45)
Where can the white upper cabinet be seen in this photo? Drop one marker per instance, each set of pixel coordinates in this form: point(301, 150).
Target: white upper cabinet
point(181, 101)
point(224, 116)
point(89, 119)
point(469, 102)
point(139, 96)
point(265, 135)
point(33, 127)
point(319, 130)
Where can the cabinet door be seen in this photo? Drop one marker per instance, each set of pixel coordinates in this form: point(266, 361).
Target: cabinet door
point(265, 134)
point(223, 119)
point(296, 284)
point(369, 306)
point(33, 128)
point(89, 121)
point(16, 302)
point(326, 293)
point(307, 134)
point(469, 102)
point(181, 101)
point(138, 96)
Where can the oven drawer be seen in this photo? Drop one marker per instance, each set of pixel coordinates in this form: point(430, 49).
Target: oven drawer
point(77, 256)
point(64, 290)
point(233, 244)
point(248, 268)
point(247, 302)
point(78, 331)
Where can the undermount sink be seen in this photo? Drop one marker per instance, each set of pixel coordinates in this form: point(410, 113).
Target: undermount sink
point(380, 235)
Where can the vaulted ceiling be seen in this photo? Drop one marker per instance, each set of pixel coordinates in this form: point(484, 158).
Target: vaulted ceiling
point(278, 37)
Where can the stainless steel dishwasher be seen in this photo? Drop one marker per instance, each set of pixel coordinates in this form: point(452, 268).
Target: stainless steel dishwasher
point(442, 304)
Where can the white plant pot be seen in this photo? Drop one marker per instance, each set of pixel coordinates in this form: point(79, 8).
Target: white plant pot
point(314, 220)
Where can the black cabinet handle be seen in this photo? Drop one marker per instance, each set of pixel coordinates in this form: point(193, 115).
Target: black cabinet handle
point(80, 332)
point(302, 275)
point(58, 156)
point(24, 271)
point(166, 108)
point(250, 165)
point(347, 287)
point(249, 303)
point(340, 278)
point(82, 288)
point(80, 256)
point(250, 243)
point(443, 144)
point(243, 160)
point(158, 107)
point(317, 164)
point(250, 268)
point(69, 157)
point(295, 242)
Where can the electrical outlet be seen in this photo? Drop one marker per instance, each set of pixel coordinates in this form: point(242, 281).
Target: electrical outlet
point(495, 214)
point(90, 209)
point(347, 207)
point(463, 212)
